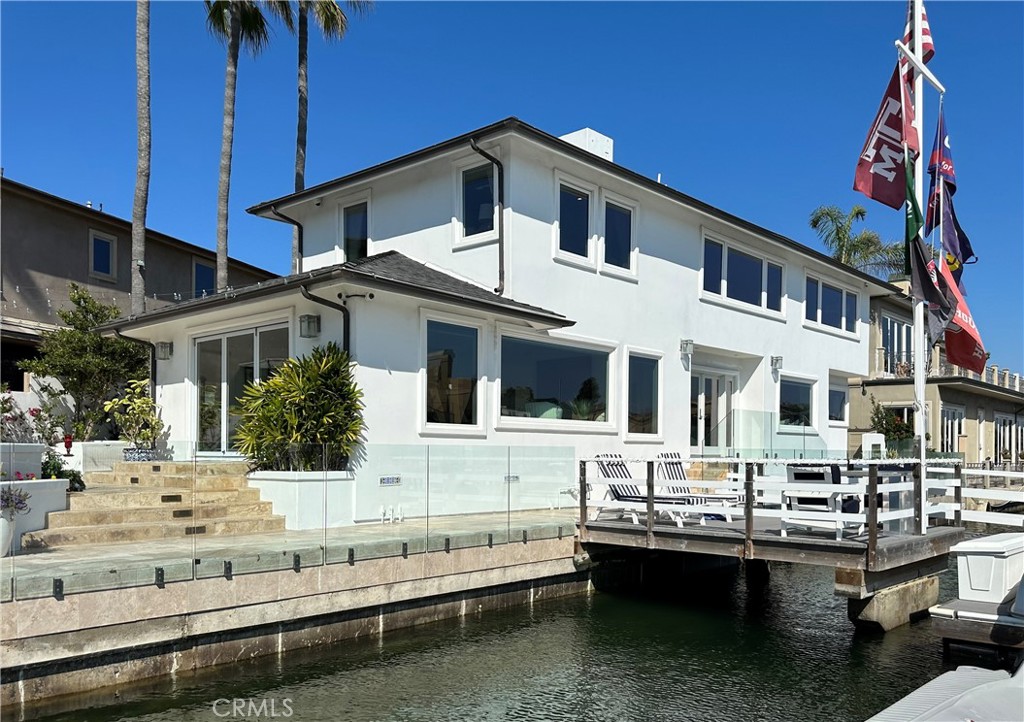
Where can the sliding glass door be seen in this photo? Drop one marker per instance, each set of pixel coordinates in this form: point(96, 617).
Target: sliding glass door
point(224, 365)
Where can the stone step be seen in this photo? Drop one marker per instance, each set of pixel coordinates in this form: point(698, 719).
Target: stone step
point(197, 468)
point(128, 497)
point(159, 479)
point(114, 533)
point(168, 512)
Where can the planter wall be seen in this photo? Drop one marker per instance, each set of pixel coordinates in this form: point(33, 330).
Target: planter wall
point(47, 495)
point(299, 497)
point(26, 458)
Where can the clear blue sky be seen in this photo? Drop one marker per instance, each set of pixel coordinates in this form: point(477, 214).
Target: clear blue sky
point(758, 108)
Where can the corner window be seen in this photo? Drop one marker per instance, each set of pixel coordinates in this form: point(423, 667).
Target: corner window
point(837, 404)
point(643, 395)
point(102, 255)
point(355, 222)
point(830, 305)
point(452, 373)
point(742, 276)
point(204, 279)
point(618, 235)
point(553, 381)
point(795, 402)
point(478, 200)
point(573, 221)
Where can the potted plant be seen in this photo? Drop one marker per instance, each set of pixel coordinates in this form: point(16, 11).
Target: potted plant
point(13, 501)
point(138, 417)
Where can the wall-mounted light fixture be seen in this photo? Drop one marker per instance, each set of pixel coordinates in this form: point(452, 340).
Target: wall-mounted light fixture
point(309, 325)
point(686, 348)
point(164, 349)
point(776, 363)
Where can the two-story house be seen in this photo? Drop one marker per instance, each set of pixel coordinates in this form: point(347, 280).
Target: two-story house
point(510, 287)
point(48, 242)
point(979, 416)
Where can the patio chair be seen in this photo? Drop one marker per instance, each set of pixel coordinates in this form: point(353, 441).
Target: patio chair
point(804, 508)
point(670, 468)
point(633, 497)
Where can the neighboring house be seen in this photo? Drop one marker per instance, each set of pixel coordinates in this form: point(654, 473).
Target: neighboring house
point(48, 242)
point(555, 299)
point(980, 416)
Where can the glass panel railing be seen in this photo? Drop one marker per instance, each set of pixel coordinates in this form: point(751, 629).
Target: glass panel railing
point(468, 496)
point(542, 483)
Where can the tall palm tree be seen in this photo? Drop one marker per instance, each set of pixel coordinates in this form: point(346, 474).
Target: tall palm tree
point(332, 21)
point(141, 202)
point(864, 250)
point(238, 22)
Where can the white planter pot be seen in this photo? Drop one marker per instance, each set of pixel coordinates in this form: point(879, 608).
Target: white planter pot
point(299, 496)
point(6, 534)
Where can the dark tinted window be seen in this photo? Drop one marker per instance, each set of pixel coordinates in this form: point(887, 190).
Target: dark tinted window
point(743, 282)
point(551, 381)
point(101, 256)
point(355, 232)
point(794, 403)
point(851, 312)
point(618, 235)
point(836, 405)
point(831, 306)
point(643, 395)
point(573, 221)
point(811, 313)
point(451, 373)
point(712, 267)
point(206, 280)
point(774, 287)
point(477, 200)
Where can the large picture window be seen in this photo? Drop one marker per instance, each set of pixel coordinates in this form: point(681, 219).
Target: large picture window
point(741, 276)
point(795, 402)
point(452, 373)
point(552, 381)
point(643, 395)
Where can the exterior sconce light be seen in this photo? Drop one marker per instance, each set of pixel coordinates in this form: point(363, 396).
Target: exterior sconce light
point(776, 363)
point(309, 325)
point(686, 348)
point(164, 349)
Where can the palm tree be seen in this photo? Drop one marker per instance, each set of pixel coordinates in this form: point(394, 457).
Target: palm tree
point(141, 201)
point(332, 21)
point(864, 251)
point(238, 22)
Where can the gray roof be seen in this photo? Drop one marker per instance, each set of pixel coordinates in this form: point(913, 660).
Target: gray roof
point(389, 271)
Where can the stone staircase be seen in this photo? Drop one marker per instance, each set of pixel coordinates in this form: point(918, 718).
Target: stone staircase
point(140, 501)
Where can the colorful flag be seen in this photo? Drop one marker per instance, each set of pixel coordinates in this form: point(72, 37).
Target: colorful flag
point(907, 72)
point(878, 168)
point(940, 165)
point(955, 244)
point(963, 340)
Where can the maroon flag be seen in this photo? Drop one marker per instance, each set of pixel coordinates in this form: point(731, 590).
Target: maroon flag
point(880, 173)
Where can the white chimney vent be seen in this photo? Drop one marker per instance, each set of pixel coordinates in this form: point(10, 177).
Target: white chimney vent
point(590, 140)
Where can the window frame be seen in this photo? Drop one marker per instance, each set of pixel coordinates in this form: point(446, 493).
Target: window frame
point(902, 330)
point(352, 199)
point(845, 389)
point(722, 298)
point(658, 357)
point(810, 381)
point(629, 273)
point(112, 240)
point(196, 261)
point(459, 238)
point(817, 324)
point(588, 262)
point(477, 430)
point(609, 426)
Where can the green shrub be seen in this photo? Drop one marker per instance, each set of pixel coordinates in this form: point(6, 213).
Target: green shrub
point(306, 417)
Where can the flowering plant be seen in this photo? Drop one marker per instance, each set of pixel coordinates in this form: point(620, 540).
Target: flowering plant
point(13, 501)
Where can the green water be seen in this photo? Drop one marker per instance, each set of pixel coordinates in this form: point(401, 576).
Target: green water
point(717, 651)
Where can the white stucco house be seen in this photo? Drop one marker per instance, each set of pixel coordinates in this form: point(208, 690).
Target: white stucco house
point(508, 287)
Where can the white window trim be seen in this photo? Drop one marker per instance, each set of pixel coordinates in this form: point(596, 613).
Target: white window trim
point(812, 381)
point(477, 430)
point(845, 388)
point(590, 261)
point(459, 239)
point(723, 299)
point(353, 199)
point(93, 273)
point(610, 269)
point(659, 357)
point(817, 325)
point(512, 423)
point(962, 418)
point(196, 260)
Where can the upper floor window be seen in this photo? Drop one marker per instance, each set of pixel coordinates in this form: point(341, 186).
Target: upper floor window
point(204, 278)
point(830, 306)
point(618, 235)
point(573, 221)
point(742, 276)
point(355, 222)
point(452, 374)
point(478, 200)
point(897, 346)
point(102, 255)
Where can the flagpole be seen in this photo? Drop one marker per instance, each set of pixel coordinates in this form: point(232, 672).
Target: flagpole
point(920, 418)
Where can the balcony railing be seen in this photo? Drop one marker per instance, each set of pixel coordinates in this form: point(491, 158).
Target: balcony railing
point(901, 366)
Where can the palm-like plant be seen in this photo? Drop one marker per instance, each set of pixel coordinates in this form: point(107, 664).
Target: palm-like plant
point(333, 22)
point(141, 201)
point(238, 22)
point(864, 250)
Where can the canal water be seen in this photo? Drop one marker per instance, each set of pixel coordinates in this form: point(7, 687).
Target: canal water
point(716, 650)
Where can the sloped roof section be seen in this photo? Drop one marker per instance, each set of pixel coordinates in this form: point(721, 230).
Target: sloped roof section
point(389, 271)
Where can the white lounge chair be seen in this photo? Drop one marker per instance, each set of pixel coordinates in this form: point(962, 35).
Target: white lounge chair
point(628, 495)
point(809, 509)
point(671, 469)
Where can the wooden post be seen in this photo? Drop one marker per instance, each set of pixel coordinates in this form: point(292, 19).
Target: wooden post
point(958, 493)
point(748, 511)
point(919, 518)
point(872, 515)
point(583, 501)
point(650, 504)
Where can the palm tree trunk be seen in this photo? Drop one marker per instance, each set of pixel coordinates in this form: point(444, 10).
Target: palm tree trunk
point(300, 134)
point(141, 202)
point(227, 139)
